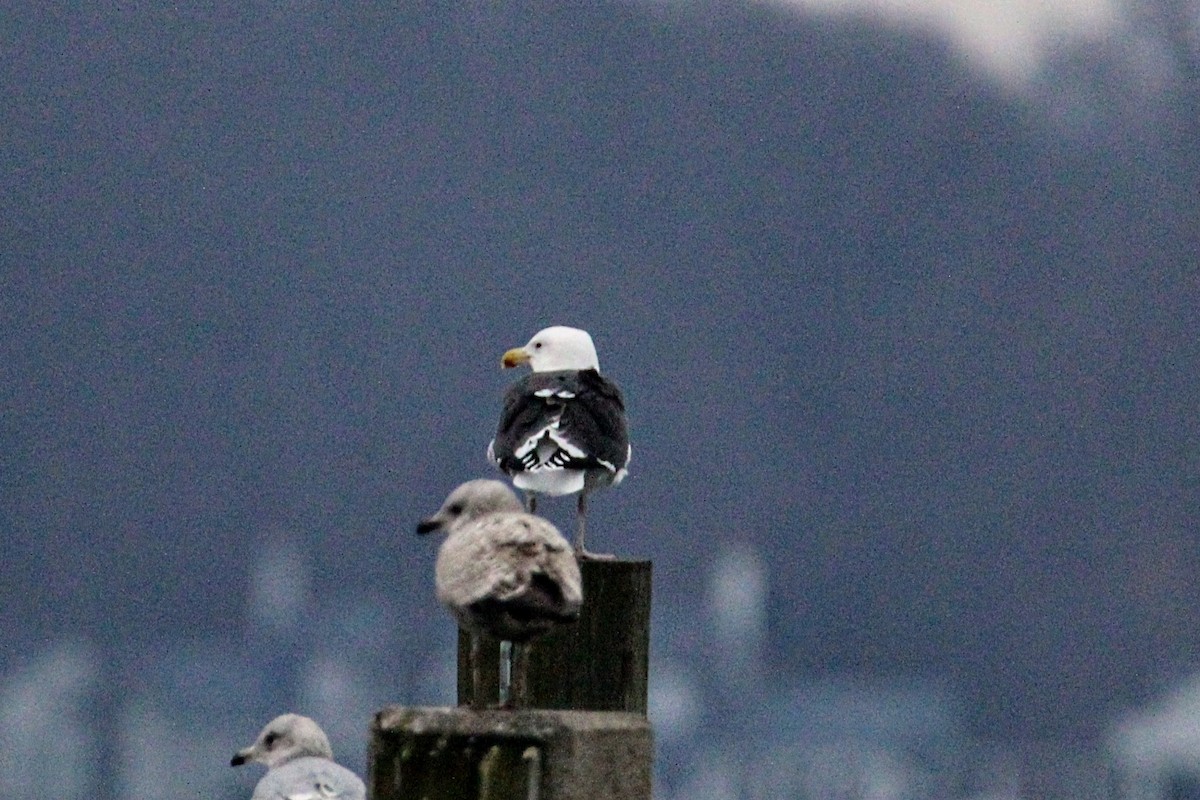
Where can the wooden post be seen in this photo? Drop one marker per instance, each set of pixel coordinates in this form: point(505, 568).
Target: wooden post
point(601, 663)
point(489, 669)
point(465, 754)
point(583, 735)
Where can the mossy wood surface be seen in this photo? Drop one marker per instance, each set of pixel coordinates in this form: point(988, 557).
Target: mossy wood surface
point(465, 754)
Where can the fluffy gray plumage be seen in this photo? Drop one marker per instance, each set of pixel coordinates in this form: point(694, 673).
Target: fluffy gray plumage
point(500, 570)
point(299, 763)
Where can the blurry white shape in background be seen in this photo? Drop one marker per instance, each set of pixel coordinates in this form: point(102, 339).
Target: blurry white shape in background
point(280, 585)
point(1152, 744)
point(737, 600)
point(1008, 38)
point(44, 720)
point(675, 701)
point(719, 776)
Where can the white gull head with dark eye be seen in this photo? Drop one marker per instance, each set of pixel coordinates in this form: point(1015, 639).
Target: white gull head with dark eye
point(285, 738)
point(556, 348)
point(299, 763)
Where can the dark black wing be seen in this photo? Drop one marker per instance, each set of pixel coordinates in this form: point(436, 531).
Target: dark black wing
point(596, 419)
point(590, 410)
point(524, 413)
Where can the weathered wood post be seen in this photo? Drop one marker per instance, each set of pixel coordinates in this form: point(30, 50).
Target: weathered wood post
point(583, 735)
point(601, 663)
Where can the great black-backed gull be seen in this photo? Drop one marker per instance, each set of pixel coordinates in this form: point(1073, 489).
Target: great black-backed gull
point(299, 763)
point(563, 427)
point(503, 572)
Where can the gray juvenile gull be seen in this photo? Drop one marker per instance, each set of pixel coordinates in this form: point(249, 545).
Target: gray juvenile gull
point(299, 763)
point(502, 572)
point(563, 427)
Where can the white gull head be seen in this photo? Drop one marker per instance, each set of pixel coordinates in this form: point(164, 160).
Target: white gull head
point(285, 738)
point(555, 348)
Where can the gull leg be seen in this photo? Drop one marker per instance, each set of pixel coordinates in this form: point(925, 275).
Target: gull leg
point(582, 552)
point(531, 502)
point(476, 674)
point(519, 691)
point(506, 675)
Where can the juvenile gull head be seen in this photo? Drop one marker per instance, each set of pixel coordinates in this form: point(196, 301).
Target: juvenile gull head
point(470, 501)
point(286, 737)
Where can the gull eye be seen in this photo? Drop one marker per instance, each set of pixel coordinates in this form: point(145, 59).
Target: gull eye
point(537, 345)
point(271, 738)
point(455, 509)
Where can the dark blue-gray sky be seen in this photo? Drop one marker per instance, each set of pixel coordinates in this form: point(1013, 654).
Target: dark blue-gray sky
point(930, 346)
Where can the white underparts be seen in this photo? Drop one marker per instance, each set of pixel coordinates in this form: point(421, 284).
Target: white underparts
point(552, 482)
point(544, 458)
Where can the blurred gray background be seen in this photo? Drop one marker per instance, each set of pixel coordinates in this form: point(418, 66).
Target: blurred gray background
point(904, 299)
